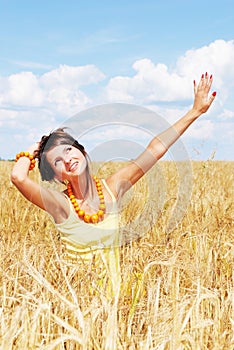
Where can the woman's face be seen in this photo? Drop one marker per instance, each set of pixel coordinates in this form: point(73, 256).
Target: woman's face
point(66, 161)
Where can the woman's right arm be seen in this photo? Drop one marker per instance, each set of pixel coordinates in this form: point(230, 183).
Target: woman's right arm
point(48, 200)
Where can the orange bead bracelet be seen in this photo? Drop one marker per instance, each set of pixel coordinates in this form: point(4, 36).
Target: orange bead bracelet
point(29, 156)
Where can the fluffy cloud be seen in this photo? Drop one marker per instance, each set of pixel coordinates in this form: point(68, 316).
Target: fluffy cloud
point(154, 83)
point(32, 105)
point(21, 89)
point(226, 114)
point(151, 83)
point(59, 89)
point(39, 103)
point(71, 77)
point(217, 58)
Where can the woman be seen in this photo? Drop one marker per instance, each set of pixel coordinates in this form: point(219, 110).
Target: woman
point(86, 212)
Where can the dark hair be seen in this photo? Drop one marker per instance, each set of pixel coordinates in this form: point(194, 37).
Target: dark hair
point(55, 138)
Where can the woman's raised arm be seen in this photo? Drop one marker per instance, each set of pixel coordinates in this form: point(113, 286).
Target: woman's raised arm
point(121, 181)
point(51, 201)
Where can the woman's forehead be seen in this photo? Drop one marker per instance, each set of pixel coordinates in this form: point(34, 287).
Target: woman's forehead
point(56, 150)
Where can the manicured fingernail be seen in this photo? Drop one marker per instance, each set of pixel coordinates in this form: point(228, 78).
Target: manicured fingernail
point(206, 74)
point(194, 82)
point(214, 93)
point(211, 76)
point(202, 76)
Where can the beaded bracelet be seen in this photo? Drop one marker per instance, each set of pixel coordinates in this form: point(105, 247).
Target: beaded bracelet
point(29, 156)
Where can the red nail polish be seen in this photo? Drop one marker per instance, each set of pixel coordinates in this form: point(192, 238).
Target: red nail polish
point(206, 74)
point(202, 76)
point(194, 82)
point(211, 76)
point(214, 93)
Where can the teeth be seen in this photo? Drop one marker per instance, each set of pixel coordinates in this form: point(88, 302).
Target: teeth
point(73, 165)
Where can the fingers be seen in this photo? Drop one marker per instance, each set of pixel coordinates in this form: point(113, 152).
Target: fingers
point(205, 81)
point(212, 97)
point(194, 87)
point(205, 85)
point(202, 98)
point(210, 100)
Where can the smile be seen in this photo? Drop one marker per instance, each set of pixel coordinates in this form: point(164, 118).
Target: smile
point(73, 166)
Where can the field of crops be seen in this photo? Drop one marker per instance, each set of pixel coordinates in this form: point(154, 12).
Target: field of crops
point(177, 271)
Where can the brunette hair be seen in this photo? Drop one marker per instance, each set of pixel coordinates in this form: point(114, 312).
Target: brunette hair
point(56, 138)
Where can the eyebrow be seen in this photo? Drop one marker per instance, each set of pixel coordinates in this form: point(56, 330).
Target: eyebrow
point(63, 151)
point(57, 157)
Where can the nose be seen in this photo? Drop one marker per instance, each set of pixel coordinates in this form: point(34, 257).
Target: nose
point(67, 159)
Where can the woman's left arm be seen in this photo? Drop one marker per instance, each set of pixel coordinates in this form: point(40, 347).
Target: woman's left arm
point(122, 180)
point(161, 143)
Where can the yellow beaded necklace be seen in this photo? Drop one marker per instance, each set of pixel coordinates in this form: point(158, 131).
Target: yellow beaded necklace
point(94, 218)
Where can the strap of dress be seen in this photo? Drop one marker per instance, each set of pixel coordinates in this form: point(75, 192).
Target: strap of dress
point(109, 191)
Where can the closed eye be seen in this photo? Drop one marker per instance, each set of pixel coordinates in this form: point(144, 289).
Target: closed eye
point(66, 150)
point(57, 161)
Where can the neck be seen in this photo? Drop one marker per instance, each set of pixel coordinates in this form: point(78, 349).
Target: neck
point(82, 186)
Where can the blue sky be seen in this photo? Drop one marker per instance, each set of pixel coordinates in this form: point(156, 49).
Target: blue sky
point(60, 58)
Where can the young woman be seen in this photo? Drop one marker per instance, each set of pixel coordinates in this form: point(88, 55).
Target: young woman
point(86, 213)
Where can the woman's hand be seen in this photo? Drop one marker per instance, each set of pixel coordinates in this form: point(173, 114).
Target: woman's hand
point(202, 100)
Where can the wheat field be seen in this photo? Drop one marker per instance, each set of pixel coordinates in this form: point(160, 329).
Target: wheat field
point(177, 282)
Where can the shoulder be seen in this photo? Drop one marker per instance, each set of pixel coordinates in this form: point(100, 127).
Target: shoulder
point(59, 207)
point(123, 179)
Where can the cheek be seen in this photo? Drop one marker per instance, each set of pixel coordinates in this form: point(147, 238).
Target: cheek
point(58, 170)
point(83, 165)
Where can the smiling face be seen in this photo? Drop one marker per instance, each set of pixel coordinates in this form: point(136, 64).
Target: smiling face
point(53, 156)
point(66, 161)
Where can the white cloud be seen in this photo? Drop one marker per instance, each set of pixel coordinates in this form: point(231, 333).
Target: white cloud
point(26, 120)
point(59, 88)
point(156, 82)
point(38, 103)
point(116, 131)
point(71, 77)
point(151, 83)
point(216, 58)
point(21, 89)
point(34, 105)
point(202, 129)
point(67, 101)
point(226, 114)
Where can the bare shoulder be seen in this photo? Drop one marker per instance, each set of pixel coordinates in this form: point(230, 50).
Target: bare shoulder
point(58, 205)
point(123, 179)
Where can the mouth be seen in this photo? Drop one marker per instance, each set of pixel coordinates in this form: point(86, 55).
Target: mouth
point(74, 166)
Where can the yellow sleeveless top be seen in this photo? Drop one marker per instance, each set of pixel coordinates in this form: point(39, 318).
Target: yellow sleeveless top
point(81, 239)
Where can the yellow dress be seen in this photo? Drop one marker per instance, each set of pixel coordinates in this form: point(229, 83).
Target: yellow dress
point(85, 242)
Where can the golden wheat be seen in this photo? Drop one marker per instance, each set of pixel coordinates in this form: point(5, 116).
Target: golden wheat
point(177, 289)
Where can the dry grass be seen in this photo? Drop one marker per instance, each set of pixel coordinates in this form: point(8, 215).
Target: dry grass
point(177, 289)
